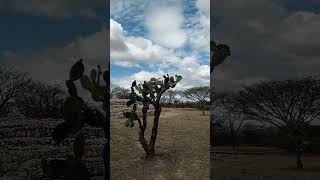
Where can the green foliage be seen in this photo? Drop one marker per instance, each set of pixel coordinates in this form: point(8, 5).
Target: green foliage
point(85, 82)
point(76, 70)
point(151, 92)
point(219, 53)
point(76, 113)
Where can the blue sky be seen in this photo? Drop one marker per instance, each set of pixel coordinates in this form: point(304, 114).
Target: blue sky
point(152, 38)
point(44, 38)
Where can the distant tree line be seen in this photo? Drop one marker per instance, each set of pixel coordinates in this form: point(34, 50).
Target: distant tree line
point(195, 97)
point(20, 94)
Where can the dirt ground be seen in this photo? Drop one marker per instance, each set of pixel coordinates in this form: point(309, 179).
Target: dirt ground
point(182, 148)
point(257, 165)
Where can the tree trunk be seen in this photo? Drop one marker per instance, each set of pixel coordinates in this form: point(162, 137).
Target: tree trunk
point(299, 156)
point(142, 140)
point(154, 132)
point(203, 108)
point(234, 143)
point(299, 161)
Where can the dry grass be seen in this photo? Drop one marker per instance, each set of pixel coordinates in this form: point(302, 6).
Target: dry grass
point(182, 148)
point(263, 164)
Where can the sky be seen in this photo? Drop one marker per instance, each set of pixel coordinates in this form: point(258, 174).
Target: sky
point(269, 40)
point(150, 38)
point(44, 38)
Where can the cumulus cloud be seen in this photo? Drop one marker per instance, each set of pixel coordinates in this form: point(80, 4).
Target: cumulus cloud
point(165, 26)
point(167, 31)
point(192, 72)
point(199, 35)
point(131, 51)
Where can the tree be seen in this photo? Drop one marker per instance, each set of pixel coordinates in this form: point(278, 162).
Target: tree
point(290, 105)
point(40, 100)
point(12, 82)
point(120, 92)
point(149, 92)
point(233, 117)
point(169, 96)
point(199, 94)
point(76, 113)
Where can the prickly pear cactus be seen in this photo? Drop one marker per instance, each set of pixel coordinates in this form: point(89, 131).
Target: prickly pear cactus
point(219, 53)
point(148, 92)
point(76, 114)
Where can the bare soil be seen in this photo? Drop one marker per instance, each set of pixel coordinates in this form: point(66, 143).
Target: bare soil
point(261, 164)
point(182, 148)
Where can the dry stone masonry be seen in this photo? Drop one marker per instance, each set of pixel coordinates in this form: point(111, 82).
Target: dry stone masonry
point(23, 142)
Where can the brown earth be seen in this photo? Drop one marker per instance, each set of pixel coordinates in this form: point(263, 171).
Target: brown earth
point(182, 148)
point(261, 164)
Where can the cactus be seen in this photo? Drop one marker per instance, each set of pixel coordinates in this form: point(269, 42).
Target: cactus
point(149, 92)
point(219, 53)
point(76, 114)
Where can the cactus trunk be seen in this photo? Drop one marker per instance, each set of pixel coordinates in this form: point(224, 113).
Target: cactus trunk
point(142, 128)
point(154, 132)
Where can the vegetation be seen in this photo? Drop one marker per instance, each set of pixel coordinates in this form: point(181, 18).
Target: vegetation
point(39, 100)
point(219, 53)
point(169, 97)
point(290, 105)
point(76, 114)
point(12, 83)
point(233, 118)
point(201, 95)
point(149, 92)
point(118, 92)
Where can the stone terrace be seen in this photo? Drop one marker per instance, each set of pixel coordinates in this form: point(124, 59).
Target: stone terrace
point(24, 142)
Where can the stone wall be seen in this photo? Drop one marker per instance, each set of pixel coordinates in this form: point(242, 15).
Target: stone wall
point(24, 142)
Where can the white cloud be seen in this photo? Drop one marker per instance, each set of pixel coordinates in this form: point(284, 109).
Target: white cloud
point(165, 26)
point(193, 74)
point(163, 46)
point(203, 6)
point(199, 34)
point(131, 51)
